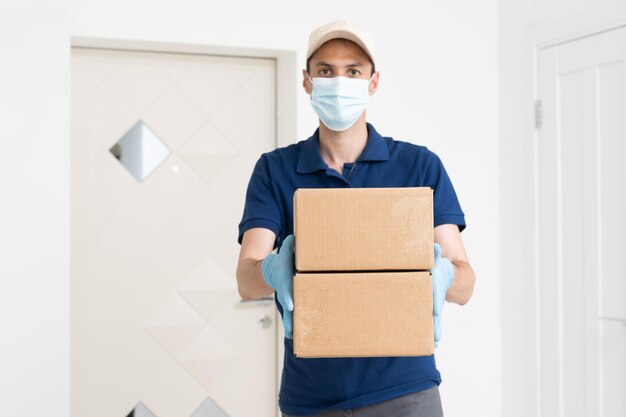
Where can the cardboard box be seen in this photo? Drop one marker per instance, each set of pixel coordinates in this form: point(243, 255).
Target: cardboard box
point(363, 314)
point(364, 229)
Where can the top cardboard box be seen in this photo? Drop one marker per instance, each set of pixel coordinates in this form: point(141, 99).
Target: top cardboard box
point(363, 229)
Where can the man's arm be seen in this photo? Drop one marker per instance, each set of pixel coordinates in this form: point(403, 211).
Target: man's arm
point(256, 244)
point(449, 238)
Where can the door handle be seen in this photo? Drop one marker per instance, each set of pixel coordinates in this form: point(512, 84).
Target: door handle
point(617, 319)
point(265, 322)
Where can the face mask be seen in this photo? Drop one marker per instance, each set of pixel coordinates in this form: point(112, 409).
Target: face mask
point(339, 101)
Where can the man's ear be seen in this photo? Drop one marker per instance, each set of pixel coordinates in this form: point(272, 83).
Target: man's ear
point(306, 84)
point(374, 83)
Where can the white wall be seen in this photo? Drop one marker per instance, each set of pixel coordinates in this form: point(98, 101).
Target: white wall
point(521, 23)
point(438, 63)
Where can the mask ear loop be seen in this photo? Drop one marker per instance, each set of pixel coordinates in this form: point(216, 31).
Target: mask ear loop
point(371, 78)
point(368, 83)
point(312, 85)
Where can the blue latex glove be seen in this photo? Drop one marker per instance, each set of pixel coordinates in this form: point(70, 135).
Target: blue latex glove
point(278, 269)
point(442, 274)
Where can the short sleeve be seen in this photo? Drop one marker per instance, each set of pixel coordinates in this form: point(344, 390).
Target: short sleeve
point(261, 208)
point(446, 207)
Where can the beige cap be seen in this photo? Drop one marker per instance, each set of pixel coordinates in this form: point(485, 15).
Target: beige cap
point(341, 29)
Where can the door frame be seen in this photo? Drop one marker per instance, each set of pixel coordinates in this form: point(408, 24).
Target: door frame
point(568, 28)
point(541, 35)
point(285, 117)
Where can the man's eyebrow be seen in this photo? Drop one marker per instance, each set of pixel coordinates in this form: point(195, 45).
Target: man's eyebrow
point(325, 64)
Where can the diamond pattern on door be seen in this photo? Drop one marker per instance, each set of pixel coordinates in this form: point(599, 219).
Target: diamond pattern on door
point(129, 352)
point(139, 220)
point(90, 77)
point(174, 117)
point(208, 87)
point(174, 70)
point(174, 186)
point(209, 289)
point(140, 151)
point(204, 229)
point(111, 185)
point(140, 95)
point(117, 270)
point(208, 357)
point(208, 152)
point(208, 408)
point(120, 397)
point(141, 411)
point(109, 116)
point(174, 324)
point(160, 319)
point(240, 119)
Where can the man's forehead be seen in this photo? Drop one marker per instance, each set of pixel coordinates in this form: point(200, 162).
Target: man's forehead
point(342, 47)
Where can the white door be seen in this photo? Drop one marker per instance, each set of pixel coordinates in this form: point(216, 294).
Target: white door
point(581, 195)
point(162, 150)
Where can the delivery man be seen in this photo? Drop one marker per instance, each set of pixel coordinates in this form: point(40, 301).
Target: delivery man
point(346, 151)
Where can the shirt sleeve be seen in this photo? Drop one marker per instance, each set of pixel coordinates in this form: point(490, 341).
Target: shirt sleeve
point(446, 207)
point(261, 208)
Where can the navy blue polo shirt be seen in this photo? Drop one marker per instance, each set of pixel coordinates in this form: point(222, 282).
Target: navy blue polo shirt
point(312, 385)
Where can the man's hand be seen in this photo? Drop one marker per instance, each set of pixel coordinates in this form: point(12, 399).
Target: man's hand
point(442, 274)
point(278, 270)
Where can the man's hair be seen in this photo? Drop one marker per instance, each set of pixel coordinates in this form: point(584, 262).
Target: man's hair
point(308, 66)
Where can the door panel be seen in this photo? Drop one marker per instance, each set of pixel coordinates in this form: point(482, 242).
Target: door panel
point(157, 322)
point(581, 195)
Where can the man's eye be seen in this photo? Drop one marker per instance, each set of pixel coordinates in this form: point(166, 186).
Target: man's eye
point(324, 71)
point(355, 73)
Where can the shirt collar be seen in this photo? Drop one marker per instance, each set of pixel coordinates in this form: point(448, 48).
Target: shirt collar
point(311, 160)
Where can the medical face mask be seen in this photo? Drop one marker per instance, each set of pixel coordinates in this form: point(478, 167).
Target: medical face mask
point(339, 101)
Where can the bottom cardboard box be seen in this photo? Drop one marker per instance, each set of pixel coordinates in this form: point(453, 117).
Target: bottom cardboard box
point(356, 314)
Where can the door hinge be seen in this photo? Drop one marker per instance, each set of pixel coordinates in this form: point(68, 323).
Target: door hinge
point(537, 114)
